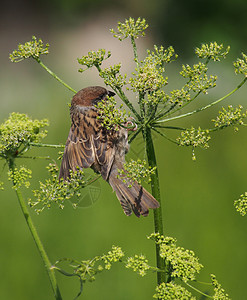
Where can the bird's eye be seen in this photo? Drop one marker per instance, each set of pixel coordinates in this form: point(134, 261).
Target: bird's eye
point(111, 94)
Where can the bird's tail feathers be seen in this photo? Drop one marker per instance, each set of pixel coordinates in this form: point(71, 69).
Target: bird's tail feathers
point(133, 197)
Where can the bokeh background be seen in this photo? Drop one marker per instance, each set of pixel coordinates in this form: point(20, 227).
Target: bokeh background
point(197, 196)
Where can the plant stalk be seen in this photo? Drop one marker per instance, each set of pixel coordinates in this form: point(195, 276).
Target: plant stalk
point(46, 145)
point(205, 107)
point(55, 76)
point(158, 222)
point(34, 233)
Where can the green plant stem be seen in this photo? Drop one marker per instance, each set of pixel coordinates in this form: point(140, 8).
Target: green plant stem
point(122, 96)
point(136, 59)
point(37, 240)
point(133, 42)
point(135, 134)
point(165, 136)
point(46, 145)
point(55, 76)
point(158, 223)
point(205, 107)
point(198, 291)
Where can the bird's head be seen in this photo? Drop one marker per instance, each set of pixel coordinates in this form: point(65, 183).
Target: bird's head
point(90, 96)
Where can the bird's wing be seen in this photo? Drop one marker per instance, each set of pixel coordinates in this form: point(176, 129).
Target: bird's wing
point(87, 146)
point(104, 152)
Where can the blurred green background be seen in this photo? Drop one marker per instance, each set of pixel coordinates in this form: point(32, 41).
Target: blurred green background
point(197, 196)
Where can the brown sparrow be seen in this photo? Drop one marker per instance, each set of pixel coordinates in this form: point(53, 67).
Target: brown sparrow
point(89, 144)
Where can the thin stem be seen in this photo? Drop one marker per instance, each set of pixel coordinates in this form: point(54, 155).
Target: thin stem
point(135, 134)
point(122, 96)
point(133, 42)
point(35, 157)
point(37, 240)
point(55, 76)
point(205, 107)
point(187, 103)
point(158, 223)
point(70, 275)
point(136, 59)
point(165, 136)
point(167, 127)
point(46, 145)
point(198, 291)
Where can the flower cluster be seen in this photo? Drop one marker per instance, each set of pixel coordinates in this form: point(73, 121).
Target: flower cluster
point(194, 137)
point(147, 79)
point(198, 79)
point(154, 98)
point(170, 291)
point(136, 171)
point(241, 204)
point(139, 264)
point(110, 116)
point(230, 116)
point(159, 238)
point(57, 191)
point(112, 76)
point(20, 177)
point(212, 51)
point(93, 59)
point(241, 65)
point(149, 76)
point(219, 292)
point(17, 132)
point(114, 255)
point(179, 97)
point(182, 262)
point(130, 28)
point(33, 49)
point(87, 269)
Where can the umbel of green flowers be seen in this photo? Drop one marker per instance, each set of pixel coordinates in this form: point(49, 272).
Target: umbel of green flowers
point(32, 49)
point(55, 191)
point(183, 266)
point(17, 132)
point(16, 135)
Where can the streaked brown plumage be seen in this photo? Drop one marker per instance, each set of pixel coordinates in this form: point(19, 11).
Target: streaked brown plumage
point(91, 145)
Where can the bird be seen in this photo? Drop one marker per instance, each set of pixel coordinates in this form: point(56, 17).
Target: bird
point(91, 145)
